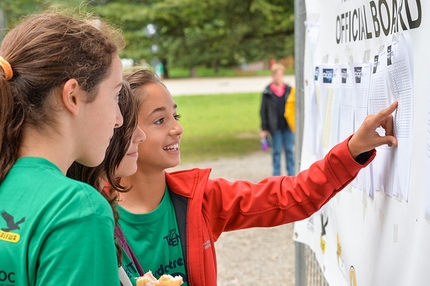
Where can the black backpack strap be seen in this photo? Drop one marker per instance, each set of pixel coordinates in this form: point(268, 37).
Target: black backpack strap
point(180, 204)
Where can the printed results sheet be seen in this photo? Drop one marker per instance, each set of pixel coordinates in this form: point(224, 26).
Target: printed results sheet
point(400, 87)
point(345, 94)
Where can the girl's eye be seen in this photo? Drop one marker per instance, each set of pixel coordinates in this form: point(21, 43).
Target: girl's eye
point(177, 117)
point(159, 121)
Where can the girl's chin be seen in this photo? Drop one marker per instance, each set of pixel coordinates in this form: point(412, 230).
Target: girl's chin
point(126, 172)
point(174, 163)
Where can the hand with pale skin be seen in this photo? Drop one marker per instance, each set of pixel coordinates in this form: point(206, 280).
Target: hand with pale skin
point(366, 138)
point(264, 134)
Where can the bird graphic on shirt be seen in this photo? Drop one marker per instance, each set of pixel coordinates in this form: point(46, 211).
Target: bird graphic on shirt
point(10, 221)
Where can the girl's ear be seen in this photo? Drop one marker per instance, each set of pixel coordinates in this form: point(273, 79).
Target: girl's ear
point(70, 96)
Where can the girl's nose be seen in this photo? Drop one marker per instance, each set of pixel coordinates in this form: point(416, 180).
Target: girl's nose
point(119, 120)
point(177, 129)
point(139, 135)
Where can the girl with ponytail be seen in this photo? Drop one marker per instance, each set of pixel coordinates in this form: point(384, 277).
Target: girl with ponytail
point(60, 80)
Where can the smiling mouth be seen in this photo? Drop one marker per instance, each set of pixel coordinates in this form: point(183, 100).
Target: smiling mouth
point(174, 147)
point(133, 153)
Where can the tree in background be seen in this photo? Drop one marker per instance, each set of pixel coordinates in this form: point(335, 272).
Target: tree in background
point(190, 33)
point(14, 10)
point(214, 33)
point(11, 12)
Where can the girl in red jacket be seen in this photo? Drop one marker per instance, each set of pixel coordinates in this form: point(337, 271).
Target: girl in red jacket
point(171, 220)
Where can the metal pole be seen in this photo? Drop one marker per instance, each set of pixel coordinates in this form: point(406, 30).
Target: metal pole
point(300, 264)
point(299, 54)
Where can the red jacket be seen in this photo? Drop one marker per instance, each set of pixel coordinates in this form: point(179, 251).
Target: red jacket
point(212, 206)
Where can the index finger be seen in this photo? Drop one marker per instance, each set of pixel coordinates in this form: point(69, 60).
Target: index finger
point(387, 111)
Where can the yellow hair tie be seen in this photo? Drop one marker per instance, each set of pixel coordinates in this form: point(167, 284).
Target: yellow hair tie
point(8, 73)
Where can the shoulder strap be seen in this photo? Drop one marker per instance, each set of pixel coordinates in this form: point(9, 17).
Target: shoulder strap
point(180, 204)
point(124, 245)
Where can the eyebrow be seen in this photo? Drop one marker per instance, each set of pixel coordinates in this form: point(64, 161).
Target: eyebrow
point(175, 106)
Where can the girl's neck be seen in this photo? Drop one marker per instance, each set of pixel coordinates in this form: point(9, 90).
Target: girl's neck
point(278, 84)
point(49, 145)
point(146, 193)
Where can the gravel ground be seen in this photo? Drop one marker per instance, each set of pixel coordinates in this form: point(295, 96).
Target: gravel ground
point(258, 256)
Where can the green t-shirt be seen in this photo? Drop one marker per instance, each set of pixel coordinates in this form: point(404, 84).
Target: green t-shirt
point(53, 230)
point(154, 239)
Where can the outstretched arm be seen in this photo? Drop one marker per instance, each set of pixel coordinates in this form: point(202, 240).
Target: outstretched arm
point(366, 138)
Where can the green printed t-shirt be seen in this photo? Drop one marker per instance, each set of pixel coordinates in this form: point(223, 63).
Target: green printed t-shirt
point(154, 239)
point(54, 230)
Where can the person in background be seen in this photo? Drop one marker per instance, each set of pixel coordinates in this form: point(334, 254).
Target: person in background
point(171, 220)
point(159, 69)
point(60, 79)
point(273, 121)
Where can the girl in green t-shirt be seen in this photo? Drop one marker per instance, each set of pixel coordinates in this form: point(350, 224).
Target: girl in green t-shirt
point(171, 220)
point(60, 77)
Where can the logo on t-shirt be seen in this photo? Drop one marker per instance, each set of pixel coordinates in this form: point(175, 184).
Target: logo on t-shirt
point(6, 233)
point(172, 238)
point(7, 278)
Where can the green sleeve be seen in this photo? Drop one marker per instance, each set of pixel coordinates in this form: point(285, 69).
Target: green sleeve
point(81, 252)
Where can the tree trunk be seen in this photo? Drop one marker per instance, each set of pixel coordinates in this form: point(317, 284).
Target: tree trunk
point(216, 67)
point(193, 72)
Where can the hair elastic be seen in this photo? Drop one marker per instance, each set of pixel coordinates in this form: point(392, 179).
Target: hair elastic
point(8, 73)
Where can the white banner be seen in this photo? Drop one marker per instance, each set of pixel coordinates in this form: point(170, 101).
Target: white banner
point(360, 56)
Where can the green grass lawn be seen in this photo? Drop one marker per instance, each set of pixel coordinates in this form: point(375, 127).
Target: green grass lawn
point(222, 72)
point(217, 126)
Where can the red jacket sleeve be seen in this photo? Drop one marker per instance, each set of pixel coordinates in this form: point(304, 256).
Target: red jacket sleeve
point(279, 200)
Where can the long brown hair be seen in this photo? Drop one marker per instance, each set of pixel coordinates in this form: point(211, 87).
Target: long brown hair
point(45, 51)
